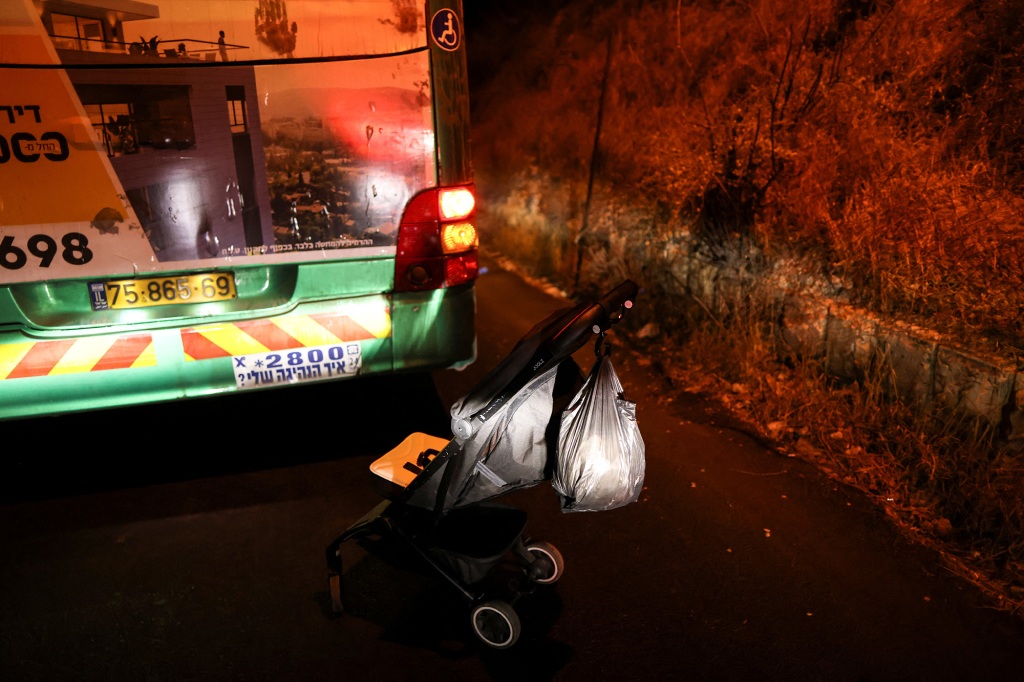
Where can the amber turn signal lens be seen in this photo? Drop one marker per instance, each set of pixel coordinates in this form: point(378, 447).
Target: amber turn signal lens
point(458, 237)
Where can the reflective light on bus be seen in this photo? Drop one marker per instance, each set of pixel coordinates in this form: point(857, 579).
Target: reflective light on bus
point(456, 203)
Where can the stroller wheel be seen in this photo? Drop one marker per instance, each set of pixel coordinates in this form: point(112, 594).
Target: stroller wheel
point(496, 624)
point(547, 566)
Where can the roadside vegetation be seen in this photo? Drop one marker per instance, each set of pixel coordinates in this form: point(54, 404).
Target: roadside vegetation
point(878, 143)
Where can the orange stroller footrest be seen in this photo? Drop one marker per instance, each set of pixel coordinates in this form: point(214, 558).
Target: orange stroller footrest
point(403, 463)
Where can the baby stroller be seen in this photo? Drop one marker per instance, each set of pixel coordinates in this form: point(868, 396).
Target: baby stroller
point(438, 493)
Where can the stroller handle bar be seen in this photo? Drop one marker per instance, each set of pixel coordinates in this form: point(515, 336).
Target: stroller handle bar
point(579, 324)
point(597, 318)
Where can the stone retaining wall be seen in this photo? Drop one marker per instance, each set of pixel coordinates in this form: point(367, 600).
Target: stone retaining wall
point(920, 366)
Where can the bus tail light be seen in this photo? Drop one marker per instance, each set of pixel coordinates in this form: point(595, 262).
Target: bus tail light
point(437, 240)
point(456, 203)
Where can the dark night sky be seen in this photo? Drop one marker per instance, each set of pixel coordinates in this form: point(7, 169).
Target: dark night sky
point(496, 31)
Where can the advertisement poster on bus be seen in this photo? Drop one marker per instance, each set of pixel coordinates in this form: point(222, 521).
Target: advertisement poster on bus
point(174, 134)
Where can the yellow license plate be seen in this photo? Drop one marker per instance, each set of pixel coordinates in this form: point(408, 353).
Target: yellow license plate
point(140, 293)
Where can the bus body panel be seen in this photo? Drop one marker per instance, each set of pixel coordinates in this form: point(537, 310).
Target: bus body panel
point(451, 94)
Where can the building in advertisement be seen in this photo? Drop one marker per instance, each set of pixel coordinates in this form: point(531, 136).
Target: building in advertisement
point(183, 139)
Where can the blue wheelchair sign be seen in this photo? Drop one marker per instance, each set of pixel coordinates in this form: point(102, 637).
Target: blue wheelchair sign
point(446, 30)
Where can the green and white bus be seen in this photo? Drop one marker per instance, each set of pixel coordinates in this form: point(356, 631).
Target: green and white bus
point(204, 196)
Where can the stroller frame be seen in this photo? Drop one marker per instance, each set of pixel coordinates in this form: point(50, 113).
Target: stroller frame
point(464, 541)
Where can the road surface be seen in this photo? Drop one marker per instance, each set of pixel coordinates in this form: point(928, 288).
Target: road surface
point(190, 547)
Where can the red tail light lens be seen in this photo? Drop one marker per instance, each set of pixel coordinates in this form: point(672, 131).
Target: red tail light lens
point(437, 240)
point(461, 269)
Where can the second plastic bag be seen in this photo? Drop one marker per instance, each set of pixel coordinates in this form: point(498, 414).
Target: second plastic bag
point(601, 459)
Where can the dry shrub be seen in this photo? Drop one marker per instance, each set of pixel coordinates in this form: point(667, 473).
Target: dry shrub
point(864, 131)
point(882, 139)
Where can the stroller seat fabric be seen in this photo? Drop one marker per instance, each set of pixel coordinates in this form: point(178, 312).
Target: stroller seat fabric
point(472, 540)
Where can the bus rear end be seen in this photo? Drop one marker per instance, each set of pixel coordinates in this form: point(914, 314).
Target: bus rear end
point(205, 196)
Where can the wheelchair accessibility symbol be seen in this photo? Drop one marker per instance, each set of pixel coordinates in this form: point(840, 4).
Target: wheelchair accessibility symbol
point(446, 30)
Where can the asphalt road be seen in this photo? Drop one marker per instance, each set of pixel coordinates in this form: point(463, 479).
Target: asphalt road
point(186, 542)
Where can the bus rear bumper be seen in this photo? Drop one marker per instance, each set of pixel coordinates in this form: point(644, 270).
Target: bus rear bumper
point(317, 341)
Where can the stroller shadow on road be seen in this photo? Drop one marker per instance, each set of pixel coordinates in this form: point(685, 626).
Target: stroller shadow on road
point(438, 494)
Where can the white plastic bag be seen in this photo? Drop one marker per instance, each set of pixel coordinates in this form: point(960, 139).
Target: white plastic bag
point(601, 461)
